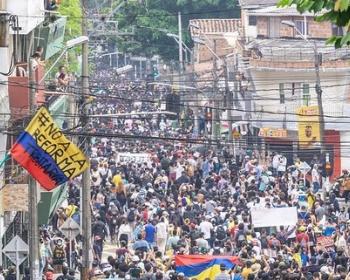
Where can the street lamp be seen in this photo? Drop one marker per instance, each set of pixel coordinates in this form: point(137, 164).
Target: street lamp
point(69, 45)
point(184, 46)
point(318, 81)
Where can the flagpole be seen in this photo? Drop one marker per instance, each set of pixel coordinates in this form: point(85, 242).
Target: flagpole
point(84, 141)
point(32, 189)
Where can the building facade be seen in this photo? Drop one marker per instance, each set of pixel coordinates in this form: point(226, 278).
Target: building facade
point(281, 61)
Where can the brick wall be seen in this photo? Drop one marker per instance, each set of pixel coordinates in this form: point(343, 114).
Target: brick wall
point(262, 25)
point(316, 29)
point(222, 49)
point(320, 29)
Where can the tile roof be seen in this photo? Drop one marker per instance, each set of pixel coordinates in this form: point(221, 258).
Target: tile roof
point(215, 26)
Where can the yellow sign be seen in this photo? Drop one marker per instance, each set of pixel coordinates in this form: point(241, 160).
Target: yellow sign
point(308, 127)
point(273, 132)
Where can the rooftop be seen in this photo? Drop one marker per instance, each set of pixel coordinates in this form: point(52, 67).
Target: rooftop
point(255, 4)
point(297, 49)
point(215, 26)
point(279, 11)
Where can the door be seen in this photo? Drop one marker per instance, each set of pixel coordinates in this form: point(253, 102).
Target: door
point(274, 27)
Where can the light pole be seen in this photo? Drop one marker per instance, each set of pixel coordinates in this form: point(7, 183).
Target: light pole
point(318, 82)
point(216, 134)
point(69, 45)
point(318, 92)
point(185, 48)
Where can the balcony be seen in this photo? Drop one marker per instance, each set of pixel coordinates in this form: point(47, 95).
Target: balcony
point(19, 91)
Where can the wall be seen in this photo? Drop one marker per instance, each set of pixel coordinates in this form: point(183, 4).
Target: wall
point(267, 96)
point(249, 31)
point(262, 25)
point(316, 29)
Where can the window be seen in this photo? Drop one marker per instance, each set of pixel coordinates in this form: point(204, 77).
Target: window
point(306, 95)
point(300, 25)
point(252, 20)
point(337, 30)
point(282, 95)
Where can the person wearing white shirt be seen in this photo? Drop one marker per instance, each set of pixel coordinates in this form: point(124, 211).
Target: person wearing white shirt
point(206, 228)
point(162, 235)
point(315, 178)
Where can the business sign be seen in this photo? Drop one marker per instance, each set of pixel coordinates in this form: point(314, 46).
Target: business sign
point(273, 132)
point(274, 217)
point(308, 127)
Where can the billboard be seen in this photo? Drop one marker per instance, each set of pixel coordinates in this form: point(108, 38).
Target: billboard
point(308, 127)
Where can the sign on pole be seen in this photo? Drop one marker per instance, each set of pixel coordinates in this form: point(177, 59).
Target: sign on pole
point(70, 229)
point(17, 251)
point(304, 168)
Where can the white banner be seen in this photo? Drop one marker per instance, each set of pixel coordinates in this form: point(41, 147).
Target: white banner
point(134, 157)
point(274, 217)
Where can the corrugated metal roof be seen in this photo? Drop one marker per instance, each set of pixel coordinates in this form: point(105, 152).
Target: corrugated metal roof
point(215, 26)
point(277, 11)
point(251, 4)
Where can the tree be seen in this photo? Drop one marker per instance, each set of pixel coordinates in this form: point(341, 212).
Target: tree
point(152, 19)
point(72, 10)
point(336, 11)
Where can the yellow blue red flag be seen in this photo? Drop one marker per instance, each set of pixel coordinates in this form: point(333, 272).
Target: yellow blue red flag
point(46, 153)
point(203, 267)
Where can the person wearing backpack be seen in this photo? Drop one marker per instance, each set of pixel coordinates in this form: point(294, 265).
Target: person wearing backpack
point(221, 233)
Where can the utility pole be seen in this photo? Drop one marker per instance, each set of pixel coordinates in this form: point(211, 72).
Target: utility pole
point(85, 188)
point(181, 62)
point(32, 188)
point(228, 95)
point(215, 129)
point(196, 103)
point(320, 111)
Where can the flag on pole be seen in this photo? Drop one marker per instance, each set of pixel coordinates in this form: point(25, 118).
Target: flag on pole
point(46, 153)
point(203, 267)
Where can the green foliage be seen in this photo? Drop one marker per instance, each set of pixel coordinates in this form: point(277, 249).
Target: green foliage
point(152, 19)
point(336, 11)
point(72, 10)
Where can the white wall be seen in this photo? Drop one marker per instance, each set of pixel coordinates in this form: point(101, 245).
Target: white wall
point(335, 87)
point(30, 13)
point(250, 31)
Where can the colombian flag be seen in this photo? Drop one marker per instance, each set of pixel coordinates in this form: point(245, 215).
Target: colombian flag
point(203, 267)
point(46, 153)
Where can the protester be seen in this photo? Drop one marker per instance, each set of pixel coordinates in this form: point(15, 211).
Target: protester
point(155, 198)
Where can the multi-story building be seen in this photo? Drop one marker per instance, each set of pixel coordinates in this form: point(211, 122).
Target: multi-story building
point(24, 26)
point(282, 67)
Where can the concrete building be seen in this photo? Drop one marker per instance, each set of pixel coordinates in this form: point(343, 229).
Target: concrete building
point(282, 68)
point(24, 26)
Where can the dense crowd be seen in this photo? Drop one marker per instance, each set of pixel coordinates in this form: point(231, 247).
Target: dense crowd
point(165, 198)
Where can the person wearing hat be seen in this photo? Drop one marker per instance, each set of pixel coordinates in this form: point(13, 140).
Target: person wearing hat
point(223, 274)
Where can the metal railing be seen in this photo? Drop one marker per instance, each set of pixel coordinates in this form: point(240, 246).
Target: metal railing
point(302, 54)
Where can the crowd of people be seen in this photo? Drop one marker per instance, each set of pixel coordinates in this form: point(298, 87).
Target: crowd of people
point(164, 198)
